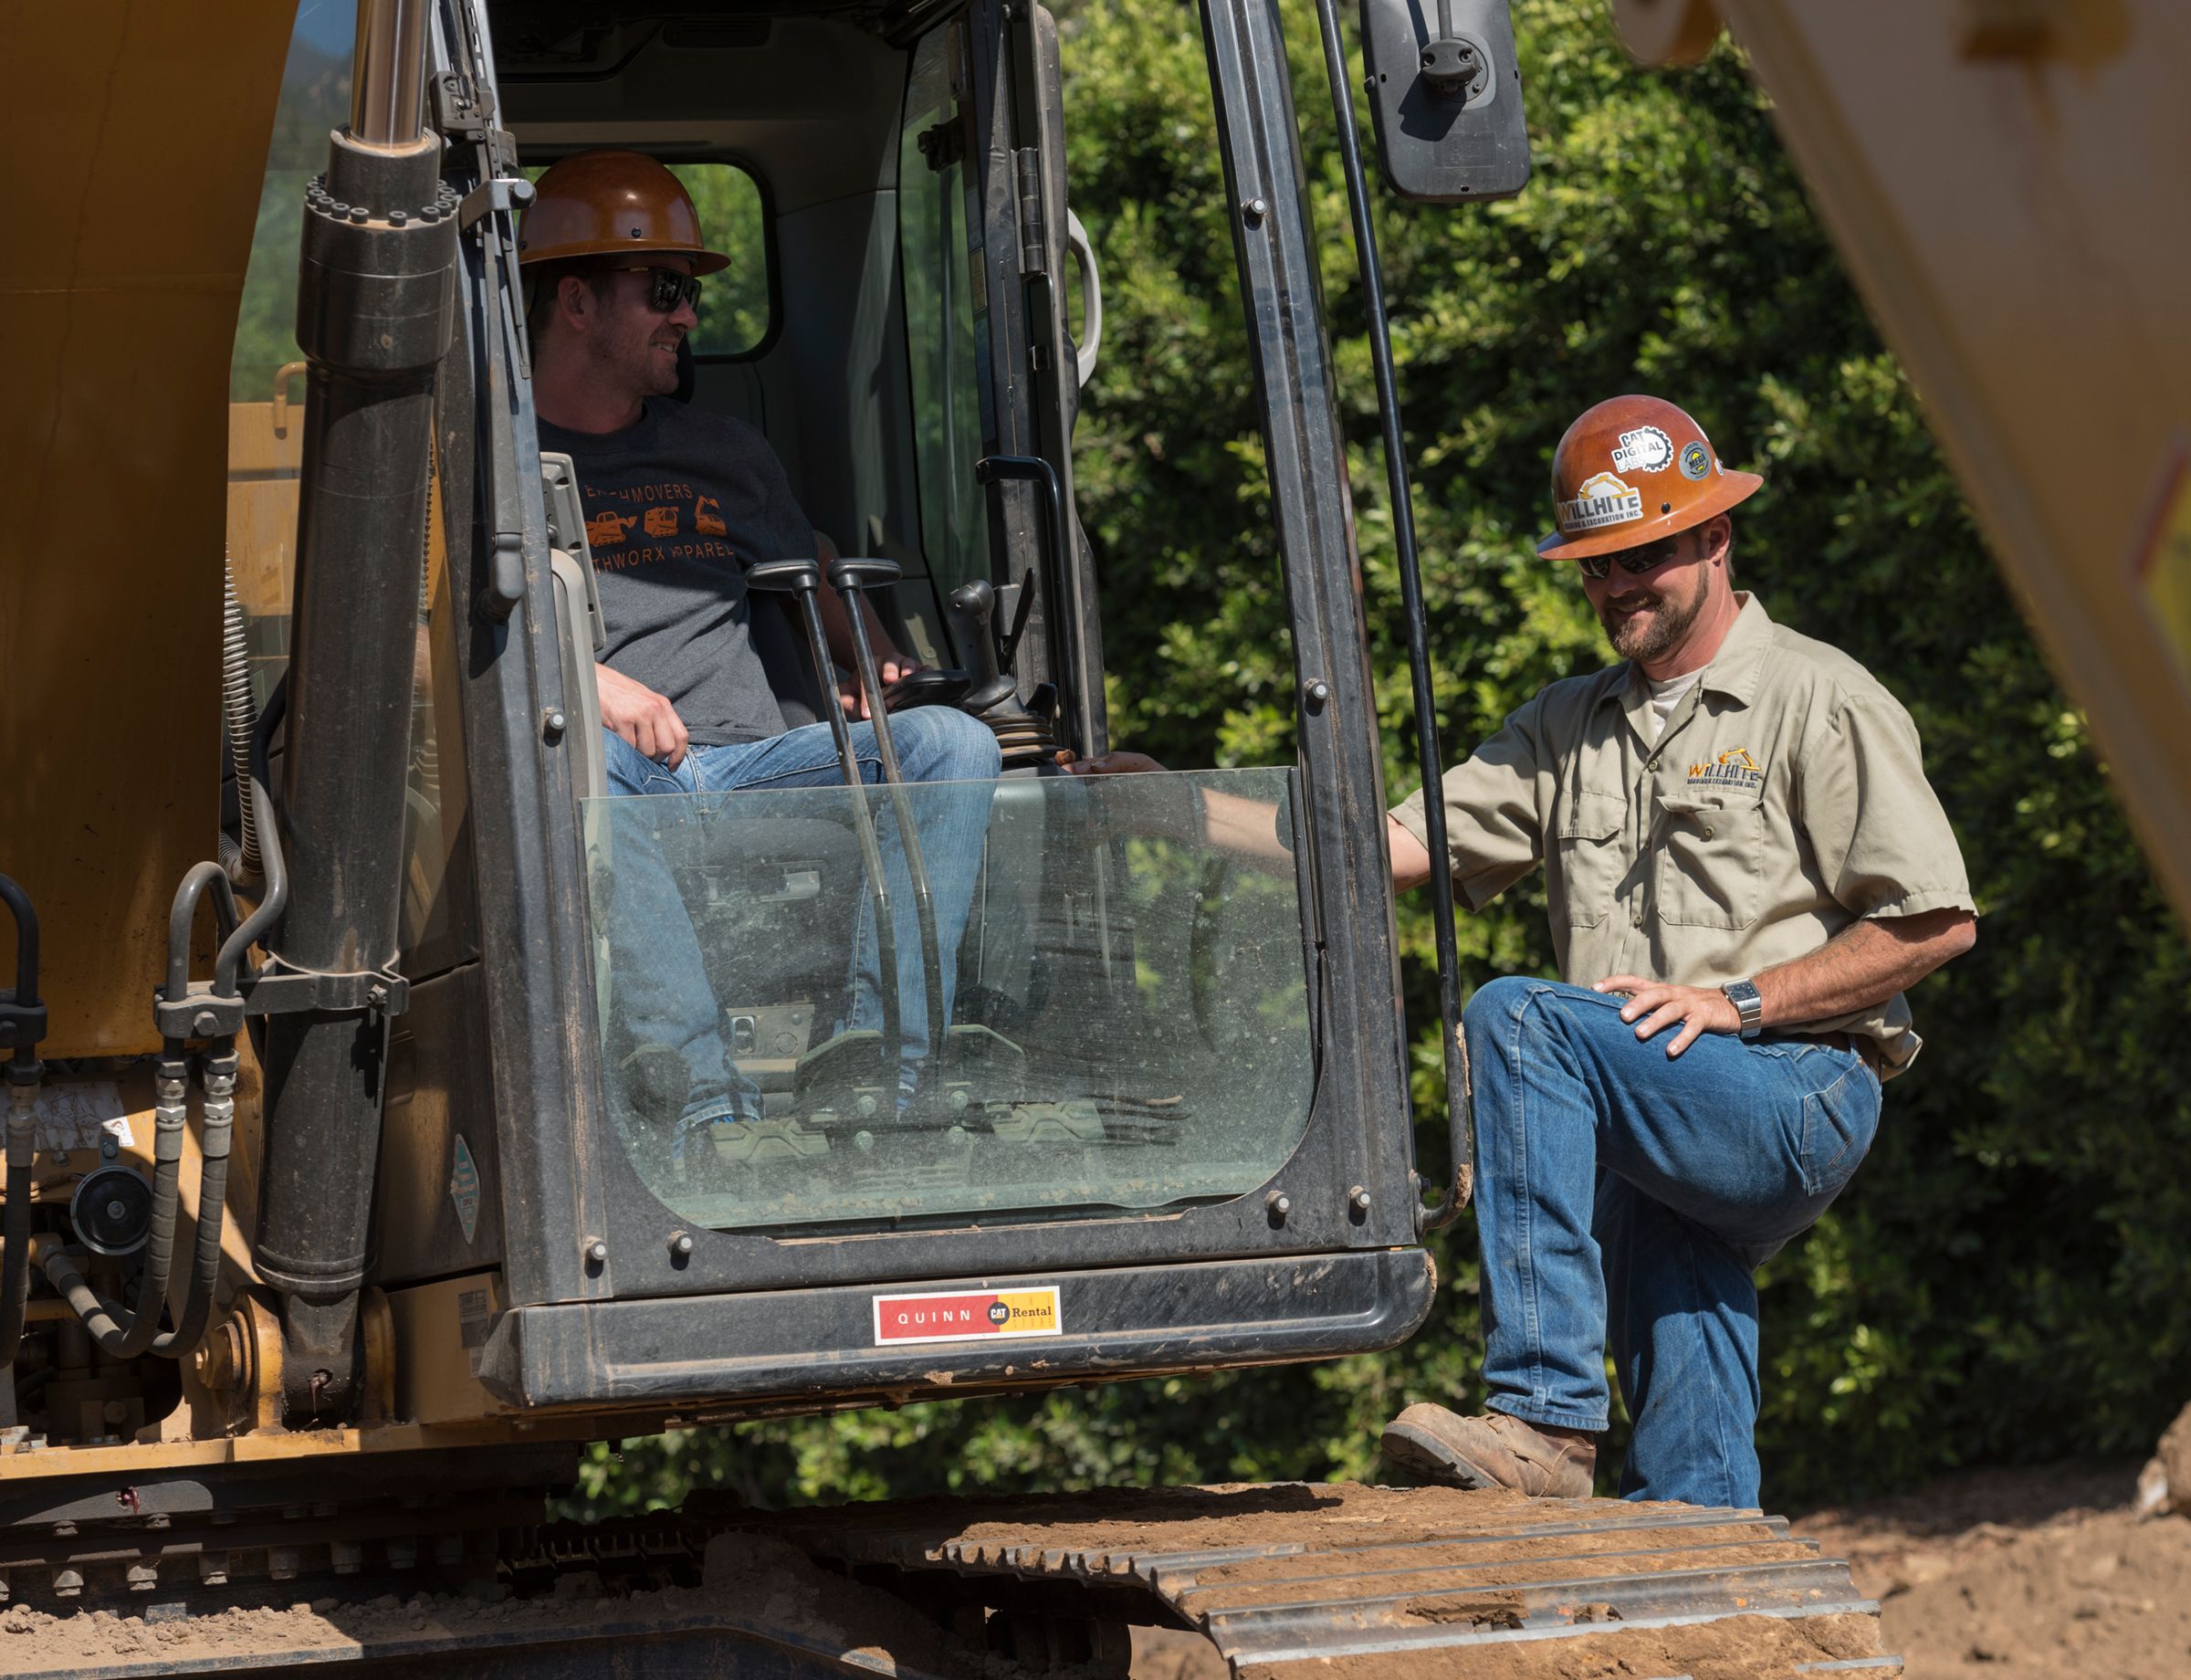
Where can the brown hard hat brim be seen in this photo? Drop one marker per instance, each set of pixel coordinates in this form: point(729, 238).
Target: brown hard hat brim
point(1728, 490)
point(703, 262)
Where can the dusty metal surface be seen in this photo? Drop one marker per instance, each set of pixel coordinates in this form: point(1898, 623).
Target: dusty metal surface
point(1380, 1574)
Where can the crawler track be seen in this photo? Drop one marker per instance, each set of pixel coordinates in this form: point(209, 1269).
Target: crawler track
point(1284, 1580)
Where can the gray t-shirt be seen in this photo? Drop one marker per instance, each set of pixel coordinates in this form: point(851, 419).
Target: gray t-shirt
point(677, 506)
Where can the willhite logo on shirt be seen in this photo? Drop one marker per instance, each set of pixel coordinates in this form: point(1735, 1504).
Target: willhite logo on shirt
point(1733, 768)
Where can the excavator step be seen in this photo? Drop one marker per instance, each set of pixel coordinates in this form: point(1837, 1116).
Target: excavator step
point(1290, 1579)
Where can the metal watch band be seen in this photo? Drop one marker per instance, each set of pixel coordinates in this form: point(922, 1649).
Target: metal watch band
point(1749, 1006)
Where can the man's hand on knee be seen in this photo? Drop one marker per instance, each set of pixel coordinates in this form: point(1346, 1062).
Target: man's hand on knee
point(640, 717)
point(1653, 1005)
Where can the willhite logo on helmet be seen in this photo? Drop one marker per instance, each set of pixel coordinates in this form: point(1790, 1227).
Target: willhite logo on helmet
point(1602, 499)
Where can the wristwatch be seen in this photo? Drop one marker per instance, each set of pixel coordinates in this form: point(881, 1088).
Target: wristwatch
point(1749, 1004)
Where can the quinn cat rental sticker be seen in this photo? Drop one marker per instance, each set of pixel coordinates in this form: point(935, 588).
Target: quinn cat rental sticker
point(978, 1315)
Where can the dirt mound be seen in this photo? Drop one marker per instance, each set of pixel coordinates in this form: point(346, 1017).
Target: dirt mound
point(2042, 1572)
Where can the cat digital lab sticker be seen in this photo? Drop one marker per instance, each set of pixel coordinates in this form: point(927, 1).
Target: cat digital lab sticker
point(1645, 449)
point(1602, 499)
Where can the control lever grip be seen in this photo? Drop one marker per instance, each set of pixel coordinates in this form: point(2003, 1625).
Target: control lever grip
point(778, 576)
point(977, 602)
point(848, 571)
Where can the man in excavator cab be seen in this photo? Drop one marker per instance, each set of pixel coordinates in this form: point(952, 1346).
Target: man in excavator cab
point(1746, 866)
point(697, 685)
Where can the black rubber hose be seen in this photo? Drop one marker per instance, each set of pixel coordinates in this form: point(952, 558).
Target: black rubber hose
point(15, 1231)
point(120, 1333)
point(24, 1074)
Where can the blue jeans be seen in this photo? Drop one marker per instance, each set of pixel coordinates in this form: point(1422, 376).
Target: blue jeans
point(664, 997)
point(1624, 1199)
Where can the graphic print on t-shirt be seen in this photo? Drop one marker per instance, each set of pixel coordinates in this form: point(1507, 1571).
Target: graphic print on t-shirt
point(677, 506)
point(671, 522)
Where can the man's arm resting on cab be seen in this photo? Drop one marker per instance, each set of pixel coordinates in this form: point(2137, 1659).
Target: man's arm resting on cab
point(1864, 964)
point(1244, 828)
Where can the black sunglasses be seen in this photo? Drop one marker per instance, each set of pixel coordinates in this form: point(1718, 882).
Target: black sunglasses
point(1648, 557)
point(667, 288)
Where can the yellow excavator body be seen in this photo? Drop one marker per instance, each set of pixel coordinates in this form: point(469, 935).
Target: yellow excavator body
point(2009, 183)
point(118, 285)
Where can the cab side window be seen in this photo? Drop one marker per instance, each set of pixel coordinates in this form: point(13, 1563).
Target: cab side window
point(947, 332)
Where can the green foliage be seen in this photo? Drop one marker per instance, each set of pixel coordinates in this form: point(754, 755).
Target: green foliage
point(2004, 1280)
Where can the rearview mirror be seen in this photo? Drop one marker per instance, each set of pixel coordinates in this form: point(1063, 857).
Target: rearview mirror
point(1446, 95)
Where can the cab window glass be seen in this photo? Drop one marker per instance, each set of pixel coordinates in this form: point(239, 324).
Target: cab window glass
point(946, 311)
point(735, 302)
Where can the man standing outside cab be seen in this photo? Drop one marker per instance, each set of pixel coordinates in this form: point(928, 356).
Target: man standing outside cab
point(678, 503)
point(1746, 870)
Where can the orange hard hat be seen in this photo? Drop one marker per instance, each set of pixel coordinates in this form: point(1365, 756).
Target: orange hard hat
point(1633, 469)
point(608, 203)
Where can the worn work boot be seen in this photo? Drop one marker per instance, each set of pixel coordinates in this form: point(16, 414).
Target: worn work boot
point(1491, 1450)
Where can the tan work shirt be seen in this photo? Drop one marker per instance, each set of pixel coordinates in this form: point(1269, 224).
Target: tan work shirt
point(1786, 800)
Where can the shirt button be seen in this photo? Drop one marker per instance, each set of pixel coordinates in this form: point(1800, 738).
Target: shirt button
point(1707, 831)
point(1635, 919)
point(1653, 766)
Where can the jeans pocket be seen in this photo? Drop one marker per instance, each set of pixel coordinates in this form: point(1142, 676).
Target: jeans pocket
point(1838, 1124)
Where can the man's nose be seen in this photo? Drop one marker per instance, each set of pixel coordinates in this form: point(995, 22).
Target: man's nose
point(686, 315)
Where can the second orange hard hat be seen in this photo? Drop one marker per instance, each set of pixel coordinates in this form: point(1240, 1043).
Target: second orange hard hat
point(1630, 470)
point(608, 203)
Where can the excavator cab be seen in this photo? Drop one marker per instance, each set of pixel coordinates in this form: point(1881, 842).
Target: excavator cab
point(1168, 1126)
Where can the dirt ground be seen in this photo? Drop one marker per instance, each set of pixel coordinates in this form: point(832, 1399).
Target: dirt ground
point(2041, 1572)
point(2006, 1572)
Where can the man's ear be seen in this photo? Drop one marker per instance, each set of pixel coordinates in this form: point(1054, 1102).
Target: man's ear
point(1718, 536)
point(574, 299)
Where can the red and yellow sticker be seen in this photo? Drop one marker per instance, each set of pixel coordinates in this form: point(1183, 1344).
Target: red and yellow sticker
point(975, 1316)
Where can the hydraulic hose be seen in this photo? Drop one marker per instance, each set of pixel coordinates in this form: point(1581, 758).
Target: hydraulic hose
point(14, 1272)
point(120, 1333)
point(236, 711)
point(24, 1071)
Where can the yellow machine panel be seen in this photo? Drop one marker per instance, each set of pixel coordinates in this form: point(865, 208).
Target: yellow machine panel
point(2010, 184)
point(117, 304)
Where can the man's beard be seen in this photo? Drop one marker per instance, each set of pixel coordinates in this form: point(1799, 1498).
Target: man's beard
point(632, 366)
point(1647, 644)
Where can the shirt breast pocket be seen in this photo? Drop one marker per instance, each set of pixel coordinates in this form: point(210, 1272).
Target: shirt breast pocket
point(1711, 858)
point(1590, 857)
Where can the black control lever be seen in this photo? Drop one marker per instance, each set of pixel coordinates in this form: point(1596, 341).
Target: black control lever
point(849, 577)
point(977, 603)
point(802, 579)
